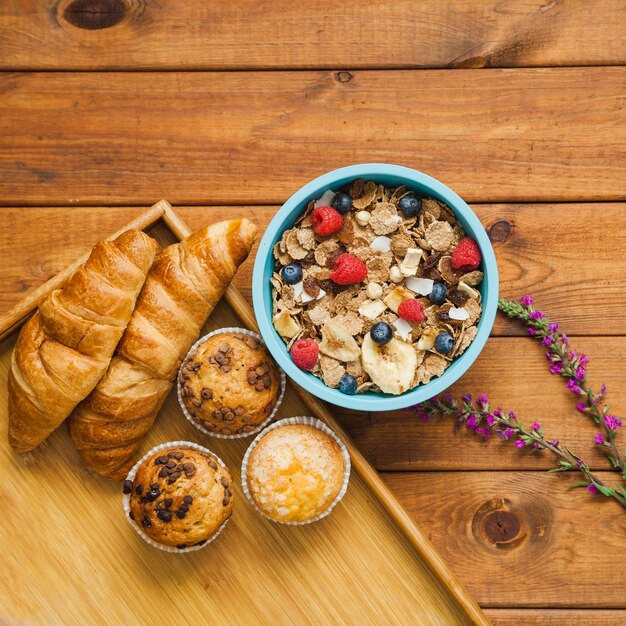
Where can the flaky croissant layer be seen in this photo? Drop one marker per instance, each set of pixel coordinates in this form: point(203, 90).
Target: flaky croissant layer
point(66, 346)
point(183, 287)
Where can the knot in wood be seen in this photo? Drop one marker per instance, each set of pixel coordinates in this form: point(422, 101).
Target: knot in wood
point(95, 14)
point(500, 231)
point(343, 77)
point(501, 527)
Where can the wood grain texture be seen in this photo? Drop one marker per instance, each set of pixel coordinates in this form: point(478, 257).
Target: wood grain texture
point(514, 374)
point(117, 34)
point(517, 540)
point(207, 138)
point(430, 559)
point(100, 536)
point(555, 617)
point(533, 253)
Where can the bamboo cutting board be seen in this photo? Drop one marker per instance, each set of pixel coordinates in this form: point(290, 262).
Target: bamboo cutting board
point(70, 557)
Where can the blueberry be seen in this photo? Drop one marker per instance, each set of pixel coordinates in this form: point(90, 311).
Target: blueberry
point(444, 343)
point(347, 385)
point(292, 274)
point(342, 202)
point(410, 205)
point(438, 294)
point(381, 333)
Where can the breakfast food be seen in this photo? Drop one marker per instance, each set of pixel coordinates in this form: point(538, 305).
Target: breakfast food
point(229, 385)
point(295, 471)
point(376, 289)
point(184, 285)
point(179, 495)
point(66, 346)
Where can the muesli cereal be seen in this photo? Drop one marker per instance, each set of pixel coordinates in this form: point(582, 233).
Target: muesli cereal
point(376, 289)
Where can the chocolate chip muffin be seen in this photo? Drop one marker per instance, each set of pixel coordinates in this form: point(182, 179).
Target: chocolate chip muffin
point(180, 496)
point(294, 472)
point(229, 384)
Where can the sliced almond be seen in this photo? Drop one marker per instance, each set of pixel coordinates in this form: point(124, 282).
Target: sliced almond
point(371, 309)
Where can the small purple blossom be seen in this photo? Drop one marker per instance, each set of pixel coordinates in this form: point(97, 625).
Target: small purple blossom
point(423, 416)
point(557, 368)
point(490, 419)
point(582, 407)
point(564, 339)
point(555, 443)
point(467, 397)
point(536, 315)
point(553, 327)
point(599, 439)
point(612, 422)
point(526, 300)
point(498, 412)
point(471, 422)
point(536, 426)
point(484, 432)
point(512, 416)
point(547, 341)
point(535, 444)
point(483, 399)
point(520, 444)
point(532, 332)
point(571, 384)
point(592, 489)
point(579, 462)
point(580, 373)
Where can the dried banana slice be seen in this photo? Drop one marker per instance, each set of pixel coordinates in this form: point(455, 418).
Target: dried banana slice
point(338, 342)
point(392, 366)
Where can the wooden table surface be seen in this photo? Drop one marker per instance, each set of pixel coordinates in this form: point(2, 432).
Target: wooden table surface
point(227, 108)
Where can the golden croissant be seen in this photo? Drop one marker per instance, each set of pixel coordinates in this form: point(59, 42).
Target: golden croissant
point(66, 346)
point(185, 283)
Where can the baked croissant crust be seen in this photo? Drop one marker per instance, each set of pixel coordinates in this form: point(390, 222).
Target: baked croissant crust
point(66, 346)
point(186, 282)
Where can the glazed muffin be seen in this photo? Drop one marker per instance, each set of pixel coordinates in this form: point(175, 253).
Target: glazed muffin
point(180, 496)
point(294, 472)
point(229, 384)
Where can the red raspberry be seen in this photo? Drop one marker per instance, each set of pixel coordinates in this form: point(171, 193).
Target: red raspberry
point(411, 310)
point(326, 220)
point(467, 256)
point(348, 270)
point(304, 353)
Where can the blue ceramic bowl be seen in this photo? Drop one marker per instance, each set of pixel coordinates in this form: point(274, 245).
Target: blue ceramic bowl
point(391, 176)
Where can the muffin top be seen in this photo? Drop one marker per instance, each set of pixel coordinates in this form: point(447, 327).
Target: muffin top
point(180, 496)
point(230, 384)
point(295, 472)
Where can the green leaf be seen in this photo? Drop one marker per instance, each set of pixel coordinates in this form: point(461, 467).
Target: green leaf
point(579, 484)
point(558, 469)
point(607, 491)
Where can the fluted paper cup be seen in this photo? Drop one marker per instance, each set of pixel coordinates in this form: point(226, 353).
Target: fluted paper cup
point(190, 418)
point(126, 497)
point(306, 421)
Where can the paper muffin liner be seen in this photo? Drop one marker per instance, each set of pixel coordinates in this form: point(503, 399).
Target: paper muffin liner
point(306, 421)
point(126, 498)
point(266, 421)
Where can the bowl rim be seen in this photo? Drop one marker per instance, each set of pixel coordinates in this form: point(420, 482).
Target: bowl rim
point(261, 290)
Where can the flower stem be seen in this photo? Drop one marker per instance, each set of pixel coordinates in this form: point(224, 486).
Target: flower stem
point(573, 366)
point(479, 419)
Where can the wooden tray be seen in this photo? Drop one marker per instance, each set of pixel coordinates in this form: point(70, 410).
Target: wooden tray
point(70, 557)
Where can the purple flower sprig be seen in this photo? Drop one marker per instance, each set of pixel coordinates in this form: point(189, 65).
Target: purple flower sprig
point(478, 418)
point(572, 365)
